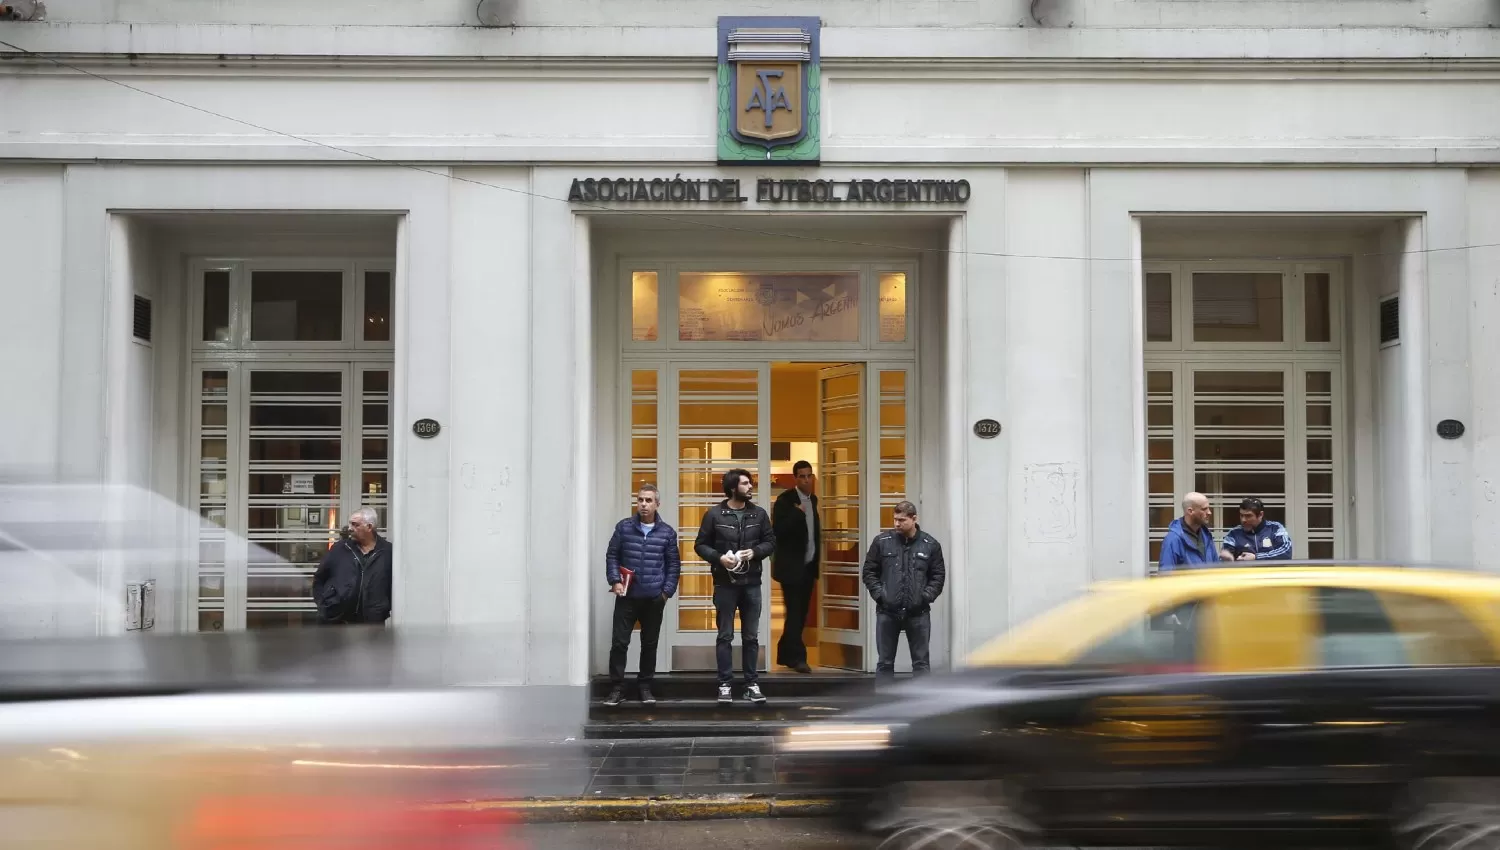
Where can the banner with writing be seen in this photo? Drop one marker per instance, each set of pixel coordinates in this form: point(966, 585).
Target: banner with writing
point(771, 307)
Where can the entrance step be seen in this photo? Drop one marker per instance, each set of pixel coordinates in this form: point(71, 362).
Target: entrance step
point(696, 686)
point(642, 730)
point(687, 706)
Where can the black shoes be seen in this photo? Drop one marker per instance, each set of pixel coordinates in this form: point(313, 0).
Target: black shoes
point(726, 696)
point(801, 667)
point(647, 698)
point(616, 696)
point(752, 693)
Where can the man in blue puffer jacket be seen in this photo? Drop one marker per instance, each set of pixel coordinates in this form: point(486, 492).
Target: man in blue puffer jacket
point(646, 546)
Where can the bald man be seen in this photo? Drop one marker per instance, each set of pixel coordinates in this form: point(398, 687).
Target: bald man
point(1189, 544)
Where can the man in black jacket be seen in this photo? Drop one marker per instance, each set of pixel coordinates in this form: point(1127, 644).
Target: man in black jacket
point(904, 573)
point(353, 583)
point(799, 534)
point(734, 537)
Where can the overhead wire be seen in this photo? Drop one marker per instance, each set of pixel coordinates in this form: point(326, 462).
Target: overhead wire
point(691, 221)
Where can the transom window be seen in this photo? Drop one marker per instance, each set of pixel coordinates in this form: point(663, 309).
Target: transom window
point(1244, 376)
point(302, 305)
point(812, 305)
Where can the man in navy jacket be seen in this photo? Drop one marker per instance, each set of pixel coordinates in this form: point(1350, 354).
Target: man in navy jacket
point(644, 544)
point(1256, 538)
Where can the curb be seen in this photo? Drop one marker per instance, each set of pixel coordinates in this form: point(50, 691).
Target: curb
point(653, 808)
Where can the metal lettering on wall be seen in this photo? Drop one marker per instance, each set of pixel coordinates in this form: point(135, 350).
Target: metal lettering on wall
point(679, 190)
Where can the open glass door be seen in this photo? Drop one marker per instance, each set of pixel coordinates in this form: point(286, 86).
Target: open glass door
point(841, 639)
point(722, 422)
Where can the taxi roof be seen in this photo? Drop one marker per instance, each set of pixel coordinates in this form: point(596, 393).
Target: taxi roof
point(1056, 634)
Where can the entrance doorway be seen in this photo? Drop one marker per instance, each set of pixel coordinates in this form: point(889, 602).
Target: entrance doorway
point(757, 370)
point(848, 419)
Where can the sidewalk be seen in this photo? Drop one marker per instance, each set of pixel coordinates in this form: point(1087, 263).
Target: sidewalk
point(655, 779)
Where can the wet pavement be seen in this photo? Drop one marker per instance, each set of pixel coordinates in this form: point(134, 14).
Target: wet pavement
point(689, 835)
point(656, 768)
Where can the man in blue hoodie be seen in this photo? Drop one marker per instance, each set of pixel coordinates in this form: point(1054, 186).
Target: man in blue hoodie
point(1189, 544)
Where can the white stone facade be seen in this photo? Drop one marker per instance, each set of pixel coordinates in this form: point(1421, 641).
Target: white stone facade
point(1097, 136)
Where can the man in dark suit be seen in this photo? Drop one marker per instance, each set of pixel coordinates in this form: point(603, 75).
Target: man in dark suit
point(799, 534)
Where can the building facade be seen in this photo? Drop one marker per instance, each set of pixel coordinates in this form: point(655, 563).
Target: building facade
point(1038, 267)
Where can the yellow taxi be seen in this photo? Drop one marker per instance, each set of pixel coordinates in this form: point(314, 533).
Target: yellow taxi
point(1322, 704)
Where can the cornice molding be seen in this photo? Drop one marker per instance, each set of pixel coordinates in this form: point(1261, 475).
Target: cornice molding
point(935, 68)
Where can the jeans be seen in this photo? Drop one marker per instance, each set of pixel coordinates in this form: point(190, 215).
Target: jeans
point(628, 609)
point(888, 628)
point(744, 598)
point(797, 595)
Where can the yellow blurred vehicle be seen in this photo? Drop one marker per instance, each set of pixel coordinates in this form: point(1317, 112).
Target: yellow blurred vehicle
point(1299, 704)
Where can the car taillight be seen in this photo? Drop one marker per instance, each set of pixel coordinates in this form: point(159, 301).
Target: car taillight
point(368, 823)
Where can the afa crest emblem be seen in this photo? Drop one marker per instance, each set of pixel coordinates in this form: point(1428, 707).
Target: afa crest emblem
point(768, 90)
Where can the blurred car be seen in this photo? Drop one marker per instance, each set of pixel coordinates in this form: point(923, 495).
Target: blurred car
point(339, 739)
point(1305, 704)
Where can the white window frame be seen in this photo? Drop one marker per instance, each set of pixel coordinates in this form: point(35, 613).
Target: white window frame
point(1294, 357)
point(353, 355)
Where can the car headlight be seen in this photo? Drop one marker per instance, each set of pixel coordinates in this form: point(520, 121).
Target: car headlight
point(834, 738)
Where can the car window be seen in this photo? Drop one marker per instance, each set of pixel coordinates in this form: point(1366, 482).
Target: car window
point(1160, 642)
point(1354, 630)
point(1257, 629)
point(1434, 631)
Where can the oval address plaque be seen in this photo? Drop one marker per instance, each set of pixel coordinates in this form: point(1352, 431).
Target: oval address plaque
point(426, 428)
point(987, 429)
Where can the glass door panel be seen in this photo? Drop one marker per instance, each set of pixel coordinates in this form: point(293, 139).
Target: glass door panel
point(1240, 441)
point(1320, 529)
point(722, 423)
point(294, 465)
point(841, 641)
point(215, 469)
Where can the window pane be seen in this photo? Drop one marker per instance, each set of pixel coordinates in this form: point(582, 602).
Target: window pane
point(216, 306)
point(1158, 307)
point(1237, 307)
point(1160, 497)
point(1355, 631)
point(377, 320)
point(893, 307)
point(779, 307)
point(1154, 643)
point(294, 480)
point(375, 458)
point(644, 432)
point(1240, 446)
point(1315, 307)
point(644, 306)
point(1434, 631)
point(297, 306)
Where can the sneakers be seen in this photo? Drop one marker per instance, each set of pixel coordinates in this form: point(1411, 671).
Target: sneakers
point(647, 698)
point(616, 696)
point(726, 696)
point(752, 693)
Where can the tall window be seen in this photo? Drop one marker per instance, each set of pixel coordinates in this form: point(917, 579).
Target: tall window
point(1244, 367)
point(291, 379)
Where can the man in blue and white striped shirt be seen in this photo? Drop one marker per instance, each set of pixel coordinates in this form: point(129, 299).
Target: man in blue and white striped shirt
point(1256, 538)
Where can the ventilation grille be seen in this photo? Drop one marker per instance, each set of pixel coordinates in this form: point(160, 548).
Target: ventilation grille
point(1390, 320)
point(141, 321)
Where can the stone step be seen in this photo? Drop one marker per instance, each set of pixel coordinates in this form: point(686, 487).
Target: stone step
point(692, 686)
point(625, 730)
point(790, 709)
